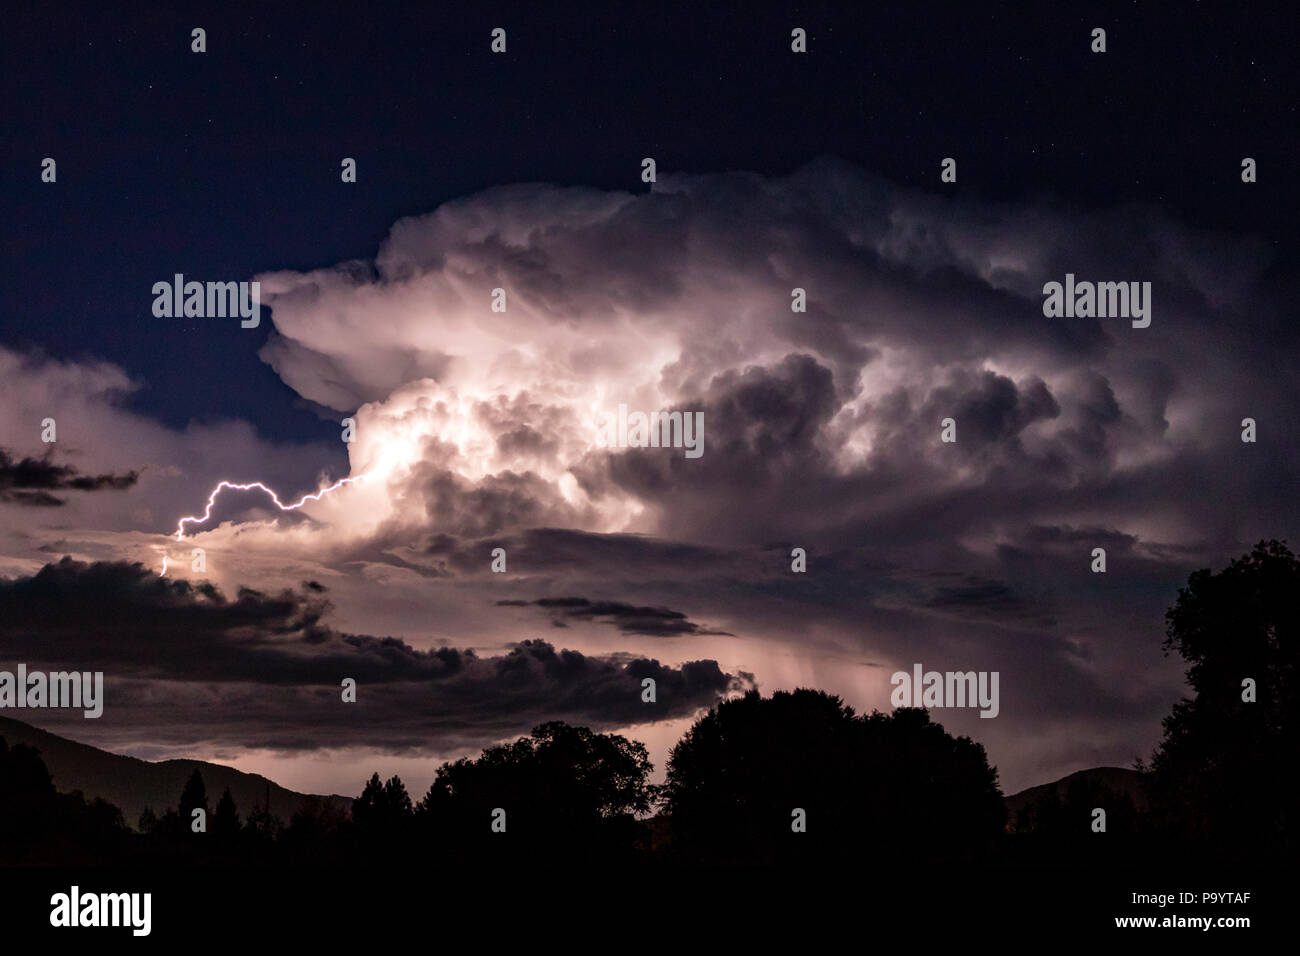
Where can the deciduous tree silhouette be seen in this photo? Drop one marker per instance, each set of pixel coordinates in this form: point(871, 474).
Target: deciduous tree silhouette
point(895, 786)
point(1219, 777)
point(40, 825)
point(27, 797)
point(565, 790)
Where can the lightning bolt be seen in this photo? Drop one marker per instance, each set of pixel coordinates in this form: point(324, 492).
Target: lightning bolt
point(212, 500)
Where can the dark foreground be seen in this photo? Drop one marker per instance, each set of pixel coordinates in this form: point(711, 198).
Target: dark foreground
point(680, 909)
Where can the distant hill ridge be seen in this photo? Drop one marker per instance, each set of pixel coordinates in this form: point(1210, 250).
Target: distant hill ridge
point(1128, 783)
point(133, 784)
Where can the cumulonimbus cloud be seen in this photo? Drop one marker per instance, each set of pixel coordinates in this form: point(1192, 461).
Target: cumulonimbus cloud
point(920, 308)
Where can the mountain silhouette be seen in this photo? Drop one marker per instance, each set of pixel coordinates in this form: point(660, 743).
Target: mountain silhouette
point(132, 784)
point(1126, 783)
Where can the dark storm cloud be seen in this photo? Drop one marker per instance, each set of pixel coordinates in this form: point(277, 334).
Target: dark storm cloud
point(1079, 654)
point(30, 481)
point(628, 618)
point(561, 549)
point(185, 663)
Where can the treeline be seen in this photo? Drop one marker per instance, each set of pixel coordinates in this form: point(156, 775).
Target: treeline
point(796, 777)
point(755, 780)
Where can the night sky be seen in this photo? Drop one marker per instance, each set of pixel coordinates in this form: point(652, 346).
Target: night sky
point(523, 170)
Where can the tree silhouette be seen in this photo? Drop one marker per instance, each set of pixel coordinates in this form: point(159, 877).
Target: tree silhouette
point(39, 824)
point(262, 826)
point(314, 833)
point(383, 814)
point(396, 801)
point(567, 789)
point(877, 784)
point(148, 820)
point(27, 800)
point(225, 821)
point(365, 807)
point(1218, 776)
point(193, 797)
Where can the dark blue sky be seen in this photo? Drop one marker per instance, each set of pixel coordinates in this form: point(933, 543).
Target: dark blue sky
point(225, 164)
